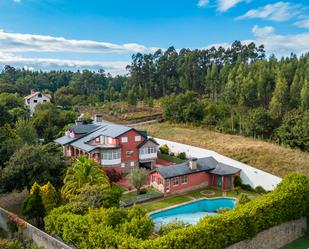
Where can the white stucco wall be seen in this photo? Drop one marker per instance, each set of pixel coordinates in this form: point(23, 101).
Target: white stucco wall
point(249, 174)
point(32, 104)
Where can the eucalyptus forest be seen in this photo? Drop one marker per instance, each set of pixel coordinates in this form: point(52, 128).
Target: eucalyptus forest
point(234, 90)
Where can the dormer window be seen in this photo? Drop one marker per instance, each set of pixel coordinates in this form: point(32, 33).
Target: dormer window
point(40, 95)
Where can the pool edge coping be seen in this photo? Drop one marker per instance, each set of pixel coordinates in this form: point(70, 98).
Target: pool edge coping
point(188, 202)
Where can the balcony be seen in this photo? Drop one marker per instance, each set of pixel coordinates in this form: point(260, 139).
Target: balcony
point(110, 161)
point(148, 156)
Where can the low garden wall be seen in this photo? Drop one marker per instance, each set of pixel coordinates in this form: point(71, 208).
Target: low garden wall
point(275, 237)
point(140, 199)
point(40, 238)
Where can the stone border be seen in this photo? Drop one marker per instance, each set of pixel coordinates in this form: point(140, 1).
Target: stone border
point(188, 202)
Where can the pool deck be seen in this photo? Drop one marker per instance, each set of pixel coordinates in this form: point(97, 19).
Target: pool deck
point(188, 202)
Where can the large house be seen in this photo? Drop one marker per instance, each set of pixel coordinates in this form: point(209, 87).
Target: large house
point(193, 174)
point(113, 146)
point(35, 98)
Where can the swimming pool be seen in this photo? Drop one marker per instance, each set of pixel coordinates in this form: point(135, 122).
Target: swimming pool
point(192, 212)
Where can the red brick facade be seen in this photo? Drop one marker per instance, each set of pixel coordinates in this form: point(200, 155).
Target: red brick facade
point(189, 182)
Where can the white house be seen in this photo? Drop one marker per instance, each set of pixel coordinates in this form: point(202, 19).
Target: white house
point(35, 98)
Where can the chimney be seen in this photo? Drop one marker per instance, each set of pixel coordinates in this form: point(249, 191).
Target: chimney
point(193, 163)
point(33, 91)
point(79, 122)
point(97, 118)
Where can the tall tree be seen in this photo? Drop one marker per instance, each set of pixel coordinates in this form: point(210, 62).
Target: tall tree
point(278, 103)
point(84, 171)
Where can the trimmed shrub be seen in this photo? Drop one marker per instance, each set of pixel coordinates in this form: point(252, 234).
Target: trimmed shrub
point(260, 190)
point(243, 199)
point(143, 191)
point(164, 149)
point(237, 181)
point(247, 187)
point(113, 175)
point(182, 155)
point(174, 225)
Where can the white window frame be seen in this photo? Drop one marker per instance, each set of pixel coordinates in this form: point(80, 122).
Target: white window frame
point(167, 185)
point(111, 155)
point(138, 138)
point(184, 179)
point(175, 181)
point(123, 165)
point(124, 139)
point(132, 164)
point(153, 178)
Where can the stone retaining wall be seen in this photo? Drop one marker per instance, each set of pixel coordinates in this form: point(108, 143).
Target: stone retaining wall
point(40, 238)
point(275, 237)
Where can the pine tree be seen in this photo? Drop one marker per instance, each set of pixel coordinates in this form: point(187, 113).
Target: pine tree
point(279, 99)
point(304, 95)
point(33, 207)
point(49, 197)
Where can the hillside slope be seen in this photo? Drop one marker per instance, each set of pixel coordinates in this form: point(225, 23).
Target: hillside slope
point(267, 156)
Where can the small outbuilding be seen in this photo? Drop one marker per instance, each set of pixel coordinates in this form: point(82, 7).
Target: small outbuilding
point(193, 174)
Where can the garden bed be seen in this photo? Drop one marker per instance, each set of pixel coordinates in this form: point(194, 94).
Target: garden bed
point(170, 158)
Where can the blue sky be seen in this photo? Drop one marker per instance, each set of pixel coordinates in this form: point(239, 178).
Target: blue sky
point(79, 34)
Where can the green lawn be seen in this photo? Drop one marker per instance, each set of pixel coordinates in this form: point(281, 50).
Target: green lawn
point(302, 243)
point(197, 194)
point(165, 202)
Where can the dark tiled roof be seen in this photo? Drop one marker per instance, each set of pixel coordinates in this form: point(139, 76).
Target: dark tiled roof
point(206, 164)
point(90, 132)
point(203, 164)
point(83, 128)
point(223, 169)
point(64, 140)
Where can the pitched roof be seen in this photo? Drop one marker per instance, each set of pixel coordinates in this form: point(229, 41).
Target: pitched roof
point(64, 140)
point(90, 132)
point(36, 93)
point(83, 128)
point(208, 164)
point(146, 141)
point(224, 169)
point(203, 164)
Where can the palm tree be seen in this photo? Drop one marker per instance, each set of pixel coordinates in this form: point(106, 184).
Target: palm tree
point(84, 171)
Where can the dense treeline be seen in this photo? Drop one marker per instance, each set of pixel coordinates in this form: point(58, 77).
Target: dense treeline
point(68, 88)
point(235, 90)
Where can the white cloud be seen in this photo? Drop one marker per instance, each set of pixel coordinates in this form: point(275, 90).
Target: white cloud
point(224, 5)
point(46, 64)
point(202, 3)
point(264, 31)
point(280, 45)
point(280, 11)
point(16, 42)
point(303, 24)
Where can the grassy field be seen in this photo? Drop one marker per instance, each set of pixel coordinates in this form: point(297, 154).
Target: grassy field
point(267, 156)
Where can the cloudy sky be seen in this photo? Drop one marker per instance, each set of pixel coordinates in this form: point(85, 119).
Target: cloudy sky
point(94, 34)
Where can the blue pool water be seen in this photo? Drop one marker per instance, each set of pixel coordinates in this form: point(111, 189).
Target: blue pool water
point(192, 212)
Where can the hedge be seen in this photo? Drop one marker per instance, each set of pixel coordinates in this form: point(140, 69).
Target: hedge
point(289, 201)
point(170, 158)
